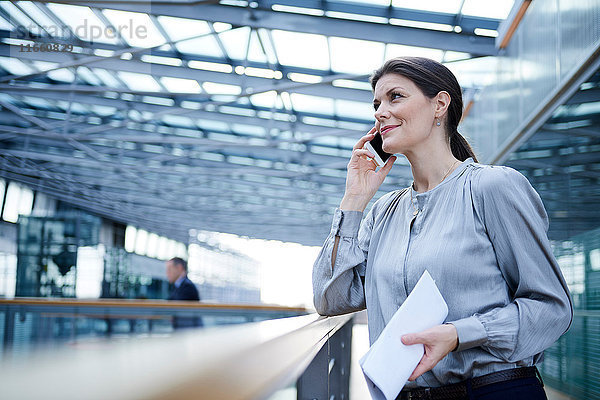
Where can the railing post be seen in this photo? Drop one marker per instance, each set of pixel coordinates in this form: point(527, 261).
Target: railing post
point(9, 329)
point(328, 375)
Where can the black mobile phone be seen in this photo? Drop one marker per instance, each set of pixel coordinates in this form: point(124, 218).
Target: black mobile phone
point(375, 146)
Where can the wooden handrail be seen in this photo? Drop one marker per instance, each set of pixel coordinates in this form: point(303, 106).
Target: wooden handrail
point(249, 361)
point(40, 301)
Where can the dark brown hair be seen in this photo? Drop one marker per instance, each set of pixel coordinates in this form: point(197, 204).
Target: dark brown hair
point(179, 261)
point(431, 77)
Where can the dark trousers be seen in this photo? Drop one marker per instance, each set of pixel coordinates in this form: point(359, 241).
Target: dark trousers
point(518, 389)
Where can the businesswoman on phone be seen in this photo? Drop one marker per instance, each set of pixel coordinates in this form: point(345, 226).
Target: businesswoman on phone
point(479, 230)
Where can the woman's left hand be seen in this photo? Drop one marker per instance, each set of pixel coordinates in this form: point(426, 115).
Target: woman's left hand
point(438, 342)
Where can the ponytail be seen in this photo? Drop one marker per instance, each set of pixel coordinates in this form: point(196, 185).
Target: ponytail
point(461, 149)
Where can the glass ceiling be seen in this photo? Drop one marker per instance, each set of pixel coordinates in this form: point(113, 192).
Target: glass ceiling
point(204, 101)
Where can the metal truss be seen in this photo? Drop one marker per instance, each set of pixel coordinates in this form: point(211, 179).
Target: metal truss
point(172, 162)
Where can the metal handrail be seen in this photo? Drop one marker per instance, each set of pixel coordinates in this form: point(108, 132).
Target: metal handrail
point(40, 301)
point(249, 361)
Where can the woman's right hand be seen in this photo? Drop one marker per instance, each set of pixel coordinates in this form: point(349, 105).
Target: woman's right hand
point(362, 181)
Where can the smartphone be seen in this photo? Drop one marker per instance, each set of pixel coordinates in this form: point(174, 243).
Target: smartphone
point(375, 146)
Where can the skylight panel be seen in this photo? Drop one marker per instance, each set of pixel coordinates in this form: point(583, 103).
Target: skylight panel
point(585, 109)
point(235, 42)
point(255, 52)
point(351, 84)
point(37, 102)
point(140, 82)
point(297, 10)
point(7, 98)
point(355, 56)
point(485, 32)
point(376, 2)
point(357, 17)
point(267, 99)
point(40, 18)
point(498, 9)
point(5, 25)
point(267, 45)
point(175, 62)
point(354, 109)
point(398, 50)
point(206, 46)
point(441, 6)
point(83, 23)
point(210, 66)
point(221, 88)
point(177, 120)
point(103, 53)
point(304, 78)
point(312, 104)
point(17, 16)
point(286, 100)
point(450, 56)
point(107, 78)
point(190, 105)
point(211, 125)
point(302, 49)
point(258, 72)
point(180, 85)
point(182, 28)
point(15, 66)
point(422, 25)
point(137, 29)
point(103, 111)
point(252, 130)
point(63, 74)
point(74, 107)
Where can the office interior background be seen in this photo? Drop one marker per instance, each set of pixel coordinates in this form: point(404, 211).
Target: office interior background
point(219, 131)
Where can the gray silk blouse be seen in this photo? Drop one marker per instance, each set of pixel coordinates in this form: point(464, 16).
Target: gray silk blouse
point(482, 235)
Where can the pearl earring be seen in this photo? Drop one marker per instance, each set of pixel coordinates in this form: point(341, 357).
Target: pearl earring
point(438, 123)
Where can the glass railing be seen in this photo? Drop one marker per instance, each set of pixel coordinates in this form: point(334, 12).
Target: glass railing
point(298, 357)
point(27, 324)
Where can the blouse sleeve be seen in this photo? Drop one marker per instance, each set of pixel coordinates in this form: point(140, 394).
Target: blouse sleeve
point(340, 290)
point(541, 309)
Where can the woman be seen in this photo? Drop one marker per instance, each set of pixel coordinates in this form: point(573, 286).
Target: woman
point(479, 230)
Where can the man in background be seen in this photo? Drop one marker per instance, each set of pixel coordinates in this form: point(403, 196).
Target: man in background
point(183, 289)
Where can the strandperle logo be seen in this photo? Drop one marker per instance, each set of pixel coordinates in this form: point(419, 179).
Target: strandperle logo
point(84, 31)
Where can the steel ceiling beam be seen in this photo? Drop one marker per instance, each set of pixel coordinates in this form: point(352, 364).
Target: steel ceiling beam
point(182, 223)
point(468, 23)
point(227, 189)
point(268, 19)
point(216, 115)
point(97, 167)
point(259, 85)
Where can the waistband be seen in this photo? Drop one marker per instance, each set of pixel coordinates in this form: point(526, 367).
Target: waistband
point(459, 390)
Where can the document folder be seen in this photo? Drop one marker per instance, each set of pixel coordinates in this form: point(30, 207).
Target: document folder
point(389, 363)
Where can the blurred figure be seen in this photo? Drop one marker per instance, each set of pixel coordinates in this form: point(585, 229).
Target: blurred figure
point(183, 289)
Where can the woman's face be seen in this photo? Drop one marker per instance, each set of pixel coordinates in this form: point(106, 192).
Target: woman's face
point(405, 116)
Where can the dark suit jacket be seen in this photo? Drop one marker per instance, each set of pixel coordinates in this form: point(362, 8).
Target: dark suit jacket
point(186, 291)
